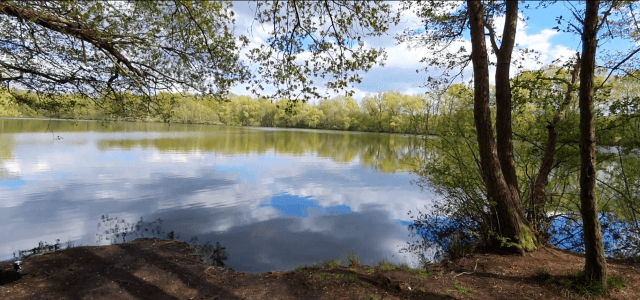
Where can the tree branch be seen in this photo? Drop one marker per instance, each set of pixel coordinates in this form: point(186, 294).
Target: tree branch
point(492, 38)
point(66, 27)
point(619, 64)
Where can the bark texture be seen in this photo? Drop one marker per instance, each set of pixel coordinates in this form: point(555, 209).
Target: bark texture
point(512, 223)
point(595, 267)
point(504, 132)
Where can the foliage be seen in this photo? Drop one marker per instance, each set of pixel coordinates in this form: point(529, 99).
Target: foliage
point(354, 259)
point(443, 23)
point(450, 167)
point(463, 290)
point(104, 50)
point(8, 107)
point(318, 40)
point(616, 282)
point(331, 263)
point(410, 113)
point(385, 265)
point(423, 273)
point(592, 288)
point(462, 220)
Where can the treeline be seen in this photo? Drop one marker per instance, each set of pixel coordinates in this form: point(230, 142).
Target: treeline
point(383, 112)
point(535, 97)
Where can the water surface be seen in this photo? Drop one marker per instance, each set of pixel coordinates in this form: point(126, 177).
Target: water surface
point(275, 198)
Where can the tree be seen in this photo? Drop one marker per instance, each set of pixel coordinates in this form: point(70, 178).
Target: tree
point(374, 107)
point(312, 115)
point(549, 97)
point(331, 31)
point(332, 112)
point(7, 106)
point(289, 112)
point(413, 106)
point(354, 113)
point(595, 262)
point(102, 49)
point(444, 24)
point(595, 267)
point(498, 167)
point(392, 101)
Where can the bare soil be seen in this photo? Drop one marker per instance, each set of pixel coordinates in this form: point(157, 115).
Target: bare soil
point(165, 269)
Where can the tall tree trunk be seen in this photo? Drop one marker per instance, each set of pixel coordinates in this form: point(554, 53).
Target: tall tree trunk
point(538, 189)
point(504, 132)
point(595, 267)
point(512, 223)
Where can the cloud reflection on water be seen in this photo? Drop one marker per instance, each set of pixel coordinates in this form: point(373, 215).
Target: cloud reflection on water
point(272, 211)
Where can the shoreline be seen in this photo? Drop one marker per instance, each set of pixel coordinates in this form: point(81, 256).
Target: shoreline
point(161, 268)
point(190, 122)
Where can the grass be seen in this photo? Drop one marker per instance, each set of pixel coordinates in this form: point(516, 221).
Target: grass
point(616, 282)
point(373, 297)
point(403, 267)
point(463, 290)
point(354, 259)
point(386, 265)
point(422, 272)
point(332, 263)
point(592, 288)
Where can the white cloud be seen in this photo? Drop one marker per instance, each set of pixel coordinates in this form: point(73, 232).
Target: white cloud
point(12, 167)
point(40, 166)
point(539, 42)
point(402, 62)
point(125, 183)
point(402, 56)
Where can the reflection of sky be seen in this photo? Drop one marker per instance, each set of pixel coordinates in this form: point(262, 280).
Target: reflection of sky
point(290, 205)
point(12, 183)
point(271, 211)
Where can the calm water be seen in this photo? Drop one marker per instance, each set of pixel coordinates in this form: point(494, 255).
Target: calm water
point(275, 198)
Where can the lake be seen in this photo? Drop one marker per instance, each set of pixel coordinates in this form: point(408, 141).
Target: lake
point(277, 199)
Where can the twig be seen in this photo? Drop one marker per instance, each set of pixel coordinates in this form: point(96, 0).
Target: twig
point(205, 271)
point(474, 270)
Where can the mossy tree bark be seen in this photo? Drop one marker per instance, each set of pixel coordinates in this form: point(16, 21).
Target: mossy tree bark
point(510, 214)
point(595, 267)
point(504, 131)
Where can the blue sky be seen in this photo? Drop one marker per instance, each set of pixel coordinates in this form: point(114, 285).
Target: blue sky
point(400, 70)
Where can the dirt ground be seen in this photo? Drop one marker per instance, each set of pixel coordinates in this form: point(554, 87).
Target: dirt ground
point(164, 269)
